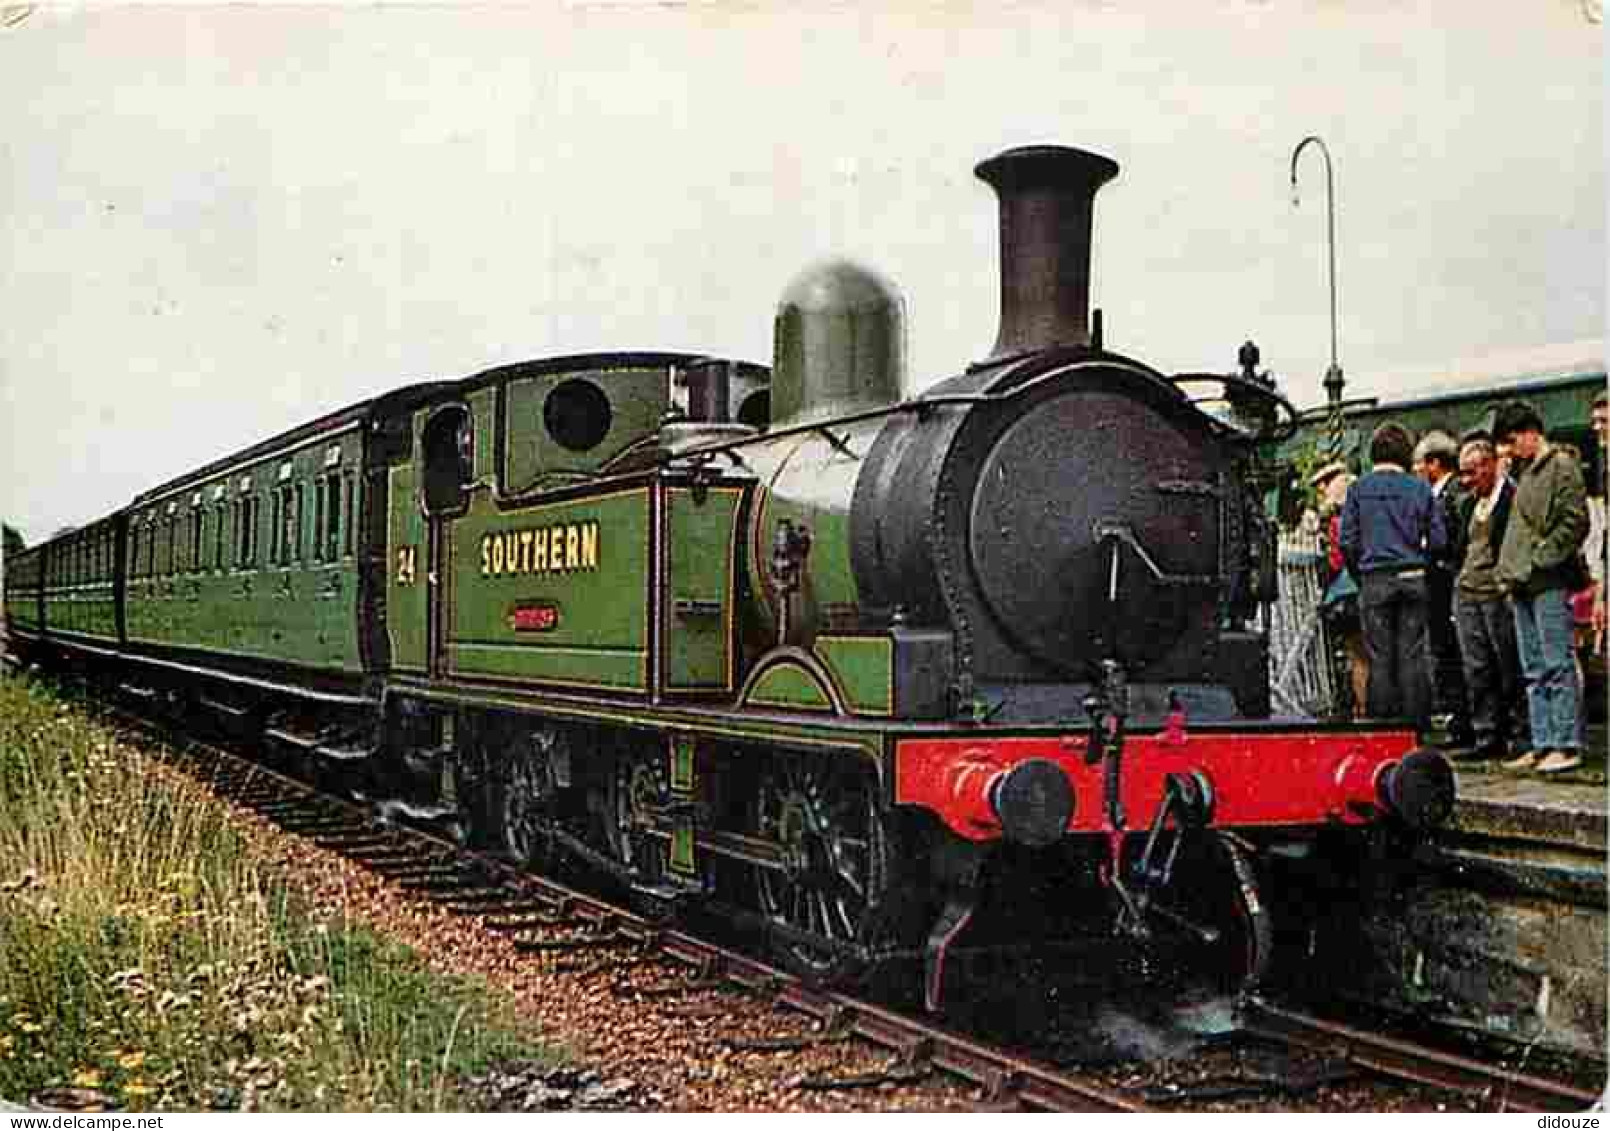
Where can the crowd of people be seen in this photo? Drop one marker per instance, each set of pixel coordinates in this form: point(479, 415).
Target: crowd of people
point(1476, 566)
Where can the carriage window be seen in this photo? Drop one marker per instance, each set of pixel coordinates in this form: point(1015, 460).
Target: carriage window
point(351, 482)
point(286, 525)
point(195, 538)
point(221, 518)
point(276, 528)
point(246, 532)
point(321, 488)
point(332, 527)
point(253, 515)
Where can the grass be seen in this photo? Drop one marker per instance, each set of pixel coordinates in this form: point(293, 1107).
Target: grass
point(146, 953)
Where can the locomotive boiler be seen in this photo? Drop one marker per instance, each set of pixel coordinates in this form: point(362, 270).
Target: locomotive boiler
point(782, 646)
point(1053, 507)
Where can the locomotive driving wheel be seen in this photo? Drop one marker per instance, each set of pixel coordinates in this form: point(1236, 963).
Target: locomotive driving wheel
point(637, 805)
point(527, 797)
point(832, 899)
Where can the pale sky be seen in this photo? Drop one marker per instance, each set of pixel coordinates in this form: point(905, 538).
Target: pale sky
point(216, 223)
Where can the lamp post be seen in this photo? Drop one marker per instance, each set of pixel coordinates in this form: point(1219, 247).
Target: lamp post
point(1333, 375)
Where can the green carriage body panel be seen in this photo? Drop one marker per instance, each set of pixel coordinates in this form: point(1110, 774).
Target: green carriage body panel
point(22, 589)
point(79, 584)
point(1562, 399)
point(209, 569)
point(555, 592)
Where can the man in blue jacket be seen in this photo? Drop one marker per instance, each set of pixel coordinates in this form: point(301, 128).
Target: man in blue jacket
point(1391, 529)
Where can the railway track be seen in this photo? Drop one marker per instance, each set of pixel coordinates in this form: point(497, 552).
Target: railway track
point(1388, 1056)
point(548, 918)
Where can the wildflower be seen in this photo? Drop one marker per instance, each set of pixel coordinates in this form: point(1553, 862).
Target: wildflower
point(131, 1060)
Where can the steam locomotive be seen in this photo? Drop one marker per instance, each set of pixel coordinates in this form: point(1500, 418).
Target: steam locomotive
point(775, 644)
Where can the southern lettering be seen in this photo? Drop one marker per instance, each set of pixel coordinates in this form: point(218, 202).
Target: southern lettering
point(571, 547)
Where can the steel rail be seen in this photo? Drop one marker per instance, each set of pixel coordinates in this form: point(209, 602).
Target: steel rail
point(1403, 1060)
point(1004, 1077)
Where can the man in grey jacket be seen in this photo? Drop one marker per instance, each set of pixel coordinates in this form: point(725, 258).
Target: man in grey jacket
point(1486, 624)
point(1547, 524)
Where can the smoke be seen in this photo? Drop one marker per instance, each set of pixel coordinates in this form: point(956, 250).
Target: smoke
point(1140, 1040)
point(1210, 1018)
point(1117, 1035)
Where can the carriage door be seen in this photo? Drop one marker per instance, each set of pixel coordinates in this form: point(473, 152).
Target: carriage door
point(445, 444)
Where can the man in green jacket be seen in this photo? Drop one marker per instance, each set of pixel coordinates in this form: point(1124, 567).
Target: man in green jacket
point(1536, 564)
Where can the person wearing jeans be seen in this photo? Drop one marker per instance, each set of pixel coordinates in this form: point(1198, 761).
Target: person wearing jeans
point(1536, 565)
point(1391, 529)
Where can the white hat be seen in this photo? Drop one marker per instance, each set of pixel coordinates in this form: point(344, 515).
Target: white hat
point(1323, 475)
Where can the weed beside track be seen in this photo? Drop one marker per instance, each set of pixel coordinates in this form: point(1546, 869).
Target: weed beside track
point(150, 957)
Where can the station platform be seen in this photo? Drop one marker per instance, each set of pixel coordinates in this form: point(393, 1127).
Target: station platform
point(1504, 931)
point(1565, 812)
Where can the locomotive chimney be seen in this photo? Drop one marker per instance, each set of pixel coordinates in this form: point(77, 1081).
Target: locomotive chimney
point(1047, 195)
